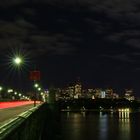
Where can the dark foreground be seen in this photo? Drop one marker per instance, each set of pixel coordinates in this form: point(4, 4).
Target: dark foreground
point(48, 122)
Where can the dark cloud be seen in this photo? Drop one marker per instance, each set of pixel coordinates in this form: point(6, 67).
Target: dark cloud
point(7, 3)
point(125, 58)
point(95, 33)
point(109, 20)
point(21, 22)
point(134, 43)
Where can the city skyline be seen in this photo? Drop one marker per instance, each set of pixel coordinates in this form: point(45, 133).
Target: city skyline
point(96, 41)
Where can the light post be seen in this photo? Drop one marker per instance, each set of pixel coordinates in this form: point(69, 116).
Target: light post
point(0, 91)
point(1, 88)
point(35, 76)
point(37, 89)
point(18, 61)
point(35, 96)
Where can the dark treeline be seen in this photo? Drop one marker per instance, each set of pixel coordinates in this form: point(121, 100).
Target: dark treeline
point(98, 103)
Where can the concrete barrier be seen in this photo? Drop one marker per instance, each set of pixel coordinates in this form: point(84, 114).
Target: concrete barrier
point(38, 123)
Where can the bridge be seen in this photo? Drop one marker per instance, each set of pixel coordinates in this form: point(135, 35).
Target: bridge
point(38, 123)
point(43, 121)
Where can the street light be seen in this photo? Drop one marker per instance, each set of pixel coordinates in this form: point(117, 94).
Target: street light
point(39, 89)
point(10, 90)
point(1, 88)
point(36, 85)
point(17, 60)
point(0, 91)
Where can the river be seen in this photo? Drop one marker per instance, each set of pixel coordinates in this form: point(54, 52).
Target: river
point(123, 125)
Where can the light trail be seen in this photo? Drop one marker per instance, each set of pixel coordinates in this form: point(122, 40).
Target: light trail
point(15, 104)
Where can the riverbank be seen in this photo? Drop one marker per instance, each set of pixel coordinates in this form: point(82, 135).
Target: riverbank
point(97, 104)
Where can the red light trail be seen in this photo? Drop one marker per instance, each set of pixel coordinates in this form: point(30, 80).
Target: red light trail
point(15, 104)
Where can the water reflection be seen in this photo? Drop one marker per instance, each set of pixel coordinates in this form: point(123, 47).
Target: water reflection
point(124, 113)
point(84, 125)
point(68, 114)
point(77, 126)
point(124, 123)
point(83, 113)
point(103, 126)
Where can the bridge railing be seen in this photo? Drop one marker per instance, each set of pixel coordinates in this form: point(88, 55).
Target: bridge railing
point(37, 123)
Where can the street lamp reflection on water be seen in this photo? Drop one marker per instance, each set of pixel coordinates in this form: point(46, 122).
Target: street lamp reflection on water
point(124, 113)
point(124, 123)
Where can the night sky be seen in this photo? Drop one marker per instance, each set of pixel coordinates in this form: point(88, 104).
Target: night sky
point(95, 40)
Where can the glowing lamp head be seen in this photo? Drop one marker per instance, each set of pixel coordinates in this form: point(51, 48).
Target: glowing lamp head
point(1, 88)
point(17, 60)
point(39, 89)
point(36, 85)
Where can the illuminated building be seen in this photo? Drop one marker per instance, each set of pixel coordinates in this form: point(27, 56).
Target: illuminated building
point(71, 91)
point(109, 93)
point(78, 90)
point(102, 94)
point(129, 94)
point(97, 93)
point(115, 95)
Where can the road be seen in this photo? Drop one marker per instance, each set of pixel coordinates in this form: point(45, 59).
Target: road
point(8, 114)
point(15, 103)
